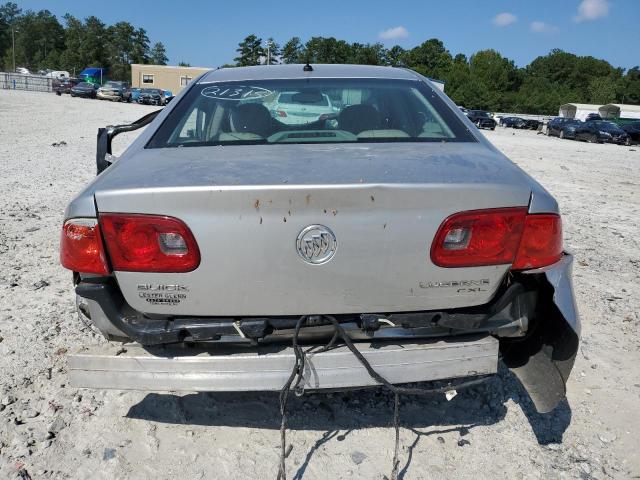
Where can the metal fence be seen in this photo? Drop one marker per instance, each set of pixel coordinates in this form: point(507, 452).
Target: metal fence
point(19, 81)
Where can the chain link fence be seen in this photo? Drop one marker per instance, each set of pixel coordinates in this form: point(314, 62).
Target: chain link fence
point(19, 81)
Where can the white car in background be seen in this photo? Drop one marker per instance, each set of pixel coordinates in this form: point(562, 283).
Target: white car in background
point(302, 107)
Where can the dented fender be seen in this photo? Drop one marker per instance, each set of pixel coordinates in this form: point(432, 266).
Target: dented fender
point(544, 358)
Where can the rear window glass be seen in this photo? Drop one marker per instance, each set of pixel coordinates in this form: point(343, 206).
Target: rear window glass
point(310, 111)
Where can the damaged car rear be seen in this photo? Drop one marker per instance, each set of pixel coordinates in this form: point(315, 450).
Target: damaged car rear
point(224, 233)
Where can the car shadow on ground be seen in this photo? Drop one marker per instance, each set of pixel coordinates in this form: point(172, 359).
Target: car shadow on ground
point(338, 414)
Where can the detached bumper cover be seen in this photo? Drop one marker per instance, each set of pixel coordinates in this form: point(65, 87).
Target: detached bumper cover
point(542, 359)
point(187, 369)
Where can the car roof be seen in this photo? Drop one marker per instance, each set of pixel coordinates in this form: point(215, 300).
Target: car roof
point(294, 71)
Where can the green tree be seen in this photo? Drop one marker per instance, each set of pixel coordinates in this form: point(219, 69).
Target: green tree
point(292, 51)
point(430, 58)
point(602, 90)
point(272, 50)
point(249, 51)
point(126, 45)
point(184, 64)
point(158, 54)
point(326, 50)
point(395, 56)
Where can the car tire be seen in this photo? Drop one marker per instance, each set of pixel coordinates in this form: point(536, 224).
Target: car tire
point(493, 128)
point(561, 134)
point(627, 142)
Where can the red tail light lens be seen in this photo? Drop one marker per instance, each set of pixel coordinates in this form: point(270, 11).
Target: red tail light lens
point(149, 243)
point(479, 237)
point(81, 247)
point(496, 237)
point(541, 242)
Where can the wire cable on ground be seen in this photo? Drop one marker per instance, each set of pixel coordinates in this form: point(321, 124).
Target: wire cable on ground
point(297, 375)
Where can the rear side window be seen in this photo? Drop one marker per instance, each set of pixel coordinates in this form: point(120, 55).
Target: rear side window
point(310, 111)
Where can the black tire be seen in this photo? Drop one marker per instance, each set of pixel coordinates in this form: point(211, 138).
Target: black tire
point(493, 128)
point(561, 134)
point(627, 142)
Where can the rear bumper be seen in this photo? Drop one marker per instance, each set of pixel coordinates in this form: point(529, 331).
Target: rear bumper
point(232, 369)
point(534, 325)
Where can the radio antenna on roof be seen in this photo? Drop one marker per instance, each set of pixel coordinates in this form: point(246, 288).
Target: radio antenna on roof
point(307, 68)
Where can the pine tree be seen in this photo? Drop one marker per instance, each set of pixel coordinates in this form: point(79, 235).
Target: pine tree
point(250, 50)
point(159, 54)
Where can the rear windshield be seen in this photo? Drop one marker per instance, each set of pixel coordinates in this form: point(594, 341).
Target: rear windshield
point(310, 111)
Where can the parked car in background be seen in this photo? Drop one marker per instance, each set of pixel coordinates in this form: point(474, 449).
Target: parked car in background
point(593, 116)
point(65, 85)
point(131, 94)
point(303, 106)
point(600, 131)
point(151, 96)
point(555, 125)
point(512, 122)
point(168, 96)
point(234, 240)
point(481, 118)
point(23, 71)
point(58, 74)
point(568, 130)
point(633, 130)
point(112, 90)
point(84, 89)
point(532, 124)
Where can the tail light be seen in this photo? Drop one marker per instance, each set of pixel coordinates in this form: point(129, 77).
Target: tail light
point(281, 113)
point(541, 242)
point(149, 243)
point(81, 247)
point(496, 237)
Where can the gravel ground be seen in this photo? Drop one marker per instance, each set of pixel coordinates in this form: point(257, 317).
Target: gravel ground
point(49, 430)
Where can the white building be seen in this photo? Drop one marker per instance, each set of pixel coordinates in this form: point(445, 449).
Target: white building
point(578, 110)
point(620, 110)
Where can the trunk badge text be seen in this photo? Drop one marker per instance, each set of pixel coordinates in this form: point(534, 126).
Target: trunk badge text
point(316, 244)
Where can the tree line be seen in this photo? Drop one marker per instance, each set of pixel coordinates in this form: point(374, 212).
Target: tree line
point(42, 42)
point(486, 80)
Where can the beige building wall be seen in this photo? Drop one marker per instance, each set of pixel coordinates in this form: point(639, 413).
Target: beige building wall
point(163, 76)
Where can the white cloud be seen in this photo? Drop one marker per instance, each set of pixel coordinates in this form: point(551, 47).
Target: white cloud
point(394, 33)
point(592, 10)
point(505, 18)
point(542, 27)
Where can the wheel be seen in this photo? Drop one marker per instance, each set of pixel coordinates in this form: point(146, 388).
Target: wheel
point(561, 134)
point(627, 142)
point(493, 128)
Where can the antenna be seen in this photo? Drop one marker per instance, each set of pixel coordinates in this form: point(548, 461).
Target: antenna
point(307, 68)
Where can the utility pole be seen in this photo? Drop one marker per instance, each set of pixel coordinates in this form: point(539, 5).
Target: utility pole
point(13, 49)
point(268, 52)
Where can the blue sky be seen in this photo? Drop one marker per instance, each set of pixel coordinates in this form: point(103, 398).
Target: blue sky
point(206, 33)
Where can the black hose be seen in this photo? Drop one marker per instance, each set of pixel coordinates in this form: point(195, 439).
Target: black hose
point(297, 374)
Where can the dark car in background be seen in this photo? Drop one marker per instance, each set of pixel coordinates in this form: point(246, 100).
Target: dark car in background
point(600, 131)
point(65, 85)
point(131, 94)
point(512, 122)
point(555, 125)
point(568, 129)
point(531, 124)
point(481, 118)
point(85, 90)
point(151, 96)
point(633, 130)
point(593, 116)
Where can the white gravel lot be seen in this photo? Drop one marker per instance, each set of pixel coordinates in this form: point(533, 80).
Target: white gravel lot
point(49, 430)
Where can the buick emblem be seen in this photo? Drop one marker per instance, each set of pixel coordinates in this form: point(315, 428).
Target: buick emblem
point(316, 244)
